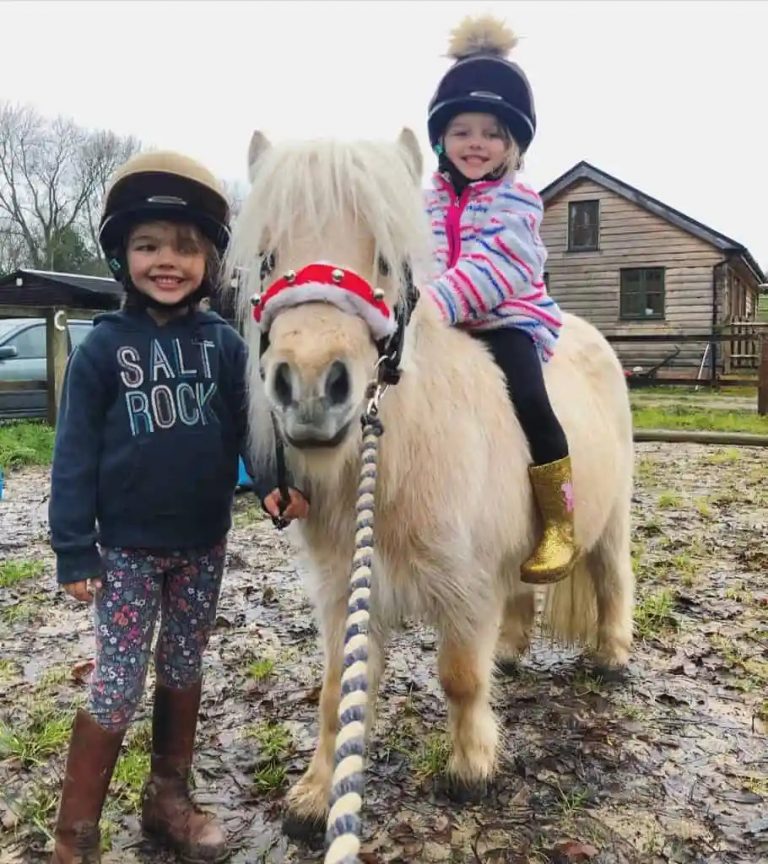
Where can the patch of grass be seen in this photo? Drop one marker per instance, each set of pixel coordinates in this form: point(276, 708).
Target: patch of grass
point(132, 767)
point(270, 777)
point(651, 527)
point(631, 712)
point(13, 572)
point(20, 613)
point(247, 510)
point(275, 743)
point(261, 669)
point(703, 508)
point(739, 593)
point(741, 662)
point(669, 500)
point(432, 757)
point(654, 615)
point(639, 566)
point(130, 775)
point(25, 443)
point(38, 809)
point(703, 420)
point(723, 457)
point(573, 800)
point(762, 711)
point(758, 785)
point(52, 676)
point(274, 740)
point(685, 567)
point(45, 731)
point(8, 671)
point(587, 682)
point(645, 469)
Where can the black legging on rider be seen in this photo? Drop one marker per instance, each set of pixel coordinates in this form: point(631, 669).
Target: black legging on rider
point(515, 353)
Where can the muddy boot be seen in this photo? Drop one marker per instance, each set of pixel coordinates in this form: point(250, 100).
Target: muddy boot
point(93, 752)
point(556, 553)
point(168, 813)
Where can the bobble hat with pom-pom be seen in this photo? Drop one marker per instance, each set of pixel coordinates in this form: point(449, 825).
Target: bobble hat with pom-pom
point(483, 80)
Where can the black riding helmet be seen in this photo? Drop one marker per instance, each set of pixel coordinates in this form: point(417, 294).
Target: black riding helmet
point(163, 186)
point(483, 80)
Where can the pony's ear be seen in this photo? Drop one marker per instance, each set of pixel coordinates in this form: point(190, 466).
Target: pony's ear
point(409, 143)
point(258, 146)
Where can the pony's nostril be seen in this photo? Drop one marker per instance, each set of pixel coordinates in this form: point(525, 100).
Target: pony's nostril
point(281, 384)
point(337, 384)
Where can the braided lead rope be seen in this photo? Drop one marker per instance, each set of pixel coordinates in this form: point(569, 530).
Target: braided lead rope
point(343, 824)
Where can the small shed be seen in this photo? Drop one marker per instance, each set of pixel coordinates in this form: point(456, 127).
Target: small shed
point(636, 267)
point(54, 297)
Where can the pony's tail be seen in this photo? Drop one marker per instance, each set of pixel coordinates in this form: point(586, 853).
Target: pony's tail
point(569, 615)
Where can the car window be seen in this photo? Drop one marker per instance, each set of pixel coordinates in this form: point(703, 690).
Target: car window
point(78, 332)
point(30, 343)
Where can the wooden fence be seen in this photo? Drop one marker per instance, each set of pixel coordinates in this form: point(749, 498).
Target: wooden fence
point(57, 349)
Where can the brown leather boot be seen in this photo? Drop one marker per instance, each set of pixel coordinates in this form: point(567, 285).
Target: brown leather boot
point(168, 812)
point(93, 752)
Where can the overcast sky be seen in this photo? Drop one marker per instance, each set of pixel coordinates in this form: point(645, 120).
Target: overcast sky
point(669, 97)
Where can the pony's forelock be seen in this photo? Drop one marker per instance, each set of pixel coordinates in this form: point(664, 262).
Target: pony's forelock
point(309, 190)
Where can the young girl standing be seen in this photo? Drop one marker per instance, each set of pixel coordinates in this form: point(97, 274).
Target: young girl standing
point(152, 421)
point(490, 257)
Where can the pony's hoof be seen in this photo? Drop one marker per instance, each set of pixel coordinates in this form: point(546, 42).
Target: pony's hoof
point(465, 791)
point(303, 829)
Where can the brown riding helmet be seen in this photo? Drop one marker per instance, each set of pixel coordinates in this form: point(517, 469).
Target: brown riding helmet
point(166, 186)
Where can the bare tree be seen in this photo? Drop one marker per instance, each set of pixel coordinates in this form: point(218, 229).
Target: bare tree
point(53, 174)
point(101, 154)
point(236, 193)
point(13, 250)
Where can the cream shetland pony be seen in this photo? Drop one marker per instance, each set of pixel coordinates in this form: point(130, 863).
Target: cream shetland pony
point(454, 509)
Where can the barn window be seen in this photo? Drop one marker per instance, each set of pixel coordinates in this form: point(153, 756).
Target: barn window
point(583, 226)
point(642, 293)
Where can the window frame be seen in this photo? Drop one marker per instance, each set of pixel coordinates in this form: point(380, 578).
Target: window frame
point(642, 290)
point(590, 248)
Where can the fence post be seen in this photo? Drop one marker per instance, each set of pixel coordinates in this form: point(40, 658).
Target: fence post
point(762, 377)
point(57, 350)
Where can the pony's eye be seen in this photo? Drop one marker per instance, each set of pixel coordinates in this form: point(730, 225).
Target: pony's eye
point(383, 266)
point(268, 262)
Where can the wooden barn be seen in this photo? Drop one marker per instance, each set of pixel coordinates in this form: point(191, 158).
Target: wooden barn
point(637, 268)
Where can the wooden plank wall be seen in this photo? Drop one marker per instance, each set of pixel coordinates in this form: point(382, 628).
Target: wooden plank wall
point(587, 283)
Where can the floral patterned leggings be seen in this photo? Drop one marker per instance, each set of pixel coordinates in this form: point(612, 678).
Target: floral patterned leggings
point(136, 584)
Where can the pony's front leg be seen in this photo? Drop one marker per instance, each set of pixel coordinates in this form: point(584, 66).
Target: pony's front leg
point(465, 664)
point(308, 799)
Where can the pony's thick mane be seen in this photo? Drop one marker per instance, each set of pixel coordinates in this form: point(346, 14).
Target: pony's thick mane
point(311, 191)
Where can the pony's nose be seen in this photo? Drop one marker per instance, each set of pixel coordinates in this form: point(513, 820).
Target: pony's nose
point(337, 384)
point(282, 384)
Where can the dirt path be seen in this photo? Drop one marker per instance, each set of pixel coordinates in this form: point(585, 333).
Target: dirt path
point(670, 766)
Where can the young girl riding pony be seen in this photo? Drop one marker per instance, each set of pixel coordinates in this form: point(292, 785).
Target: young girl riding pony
point(489, 258)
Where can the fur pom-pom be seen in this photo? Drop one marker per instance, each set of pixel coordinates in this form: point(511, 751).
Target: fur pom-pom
point(484, 35)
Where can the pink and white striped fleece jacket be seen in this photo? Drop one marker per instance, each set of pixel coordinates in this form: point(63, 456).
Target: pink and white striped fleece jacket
point(489, 259)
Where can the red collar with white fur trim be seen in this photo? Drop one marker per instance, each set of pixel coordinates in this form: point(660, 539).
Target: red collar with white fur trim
point(325, 283)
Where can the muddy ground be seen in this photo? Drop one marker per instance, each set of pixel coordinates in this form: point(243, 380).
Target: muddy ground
point(669, 766)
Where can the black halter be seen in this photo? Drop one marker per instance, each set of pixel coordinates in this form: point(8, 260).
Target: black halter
point(391, 348)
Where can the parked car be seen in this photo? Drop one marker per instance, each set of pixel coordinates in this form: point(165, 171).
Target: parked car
point(23, 358)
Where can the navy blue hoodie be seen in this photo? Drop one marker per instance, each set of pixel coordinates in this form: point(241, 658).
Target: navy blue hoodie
point(151, 424)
